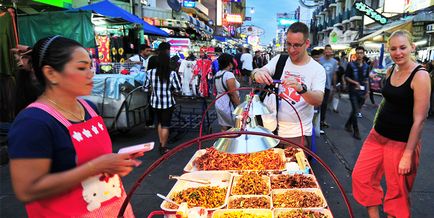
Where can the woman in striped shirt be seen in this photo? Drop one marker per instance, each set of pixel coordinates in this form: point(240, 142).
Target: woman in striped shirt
point(163, 82)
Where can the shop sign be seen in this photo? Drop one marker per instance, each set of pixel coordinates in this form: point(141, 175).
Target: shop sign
point(430, 28)
point(234, 18)
point(248, 18)
point(178, 41)
point(415, 5)
point(188, 4)
point(371, 13)
point(252, 30)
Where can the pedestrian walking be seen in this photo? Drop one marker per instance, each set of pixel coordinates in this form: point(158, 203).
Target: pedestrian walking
point(392, 147)
point(247, 65)
point(331, 66)
point(225, 81)
point(357, 75)
point(62, 163)
point(163, 82)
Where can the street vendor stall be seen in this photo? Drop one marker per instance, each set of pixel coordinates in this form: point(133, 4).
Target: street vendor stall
point(243, 175)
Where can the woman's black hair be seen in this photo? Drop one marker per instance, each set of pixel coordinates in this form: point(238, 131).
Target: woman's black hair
point(54, 51)
point(163, 67)
point(224, 60)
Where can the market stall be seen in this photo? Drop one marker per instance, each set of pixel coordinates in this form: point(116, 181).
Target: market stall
point(243, 175)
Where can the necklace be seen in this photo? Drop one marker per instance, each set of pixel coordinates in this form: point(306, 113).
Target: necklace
point(81, 118)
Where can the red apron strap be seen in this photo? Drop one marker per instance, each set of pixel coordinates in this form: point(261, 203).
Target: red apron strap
point(53, 112)
point(89, 109)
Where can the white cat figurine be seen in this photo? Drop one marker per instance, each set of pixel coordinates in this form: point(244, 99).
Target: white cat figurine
point(96, 191)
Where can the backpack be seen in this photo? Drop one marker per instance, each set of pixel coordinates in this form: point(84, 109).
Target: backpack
point(274, 88)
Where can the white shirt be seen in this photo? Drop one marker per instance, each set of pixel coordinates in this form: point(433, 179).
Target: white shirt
point(247, 60)
point(186, 70)
point(313, 76)
point(138, 58)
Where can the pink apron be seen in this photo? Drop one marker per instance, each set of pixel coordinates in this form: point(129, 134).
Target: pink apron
point(97, 196)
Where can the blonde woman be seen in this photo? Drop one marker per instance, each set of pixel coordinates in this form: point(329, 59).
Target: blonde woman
point(393, 145)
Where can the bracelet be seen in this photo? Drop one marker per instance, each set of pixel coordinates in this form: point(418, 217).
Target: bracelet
point(253, 74)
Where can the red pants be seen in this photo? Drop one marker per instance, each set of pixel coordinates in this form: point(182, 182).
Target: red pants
point(380, 156)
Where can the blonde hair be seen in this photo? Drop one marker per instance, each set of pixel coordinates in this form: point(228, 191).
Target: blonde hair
point(407, 35)
point(404, 33)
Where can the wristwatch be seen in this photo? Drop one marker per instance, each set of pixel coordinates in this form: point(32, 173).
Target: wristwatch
point(303, 89)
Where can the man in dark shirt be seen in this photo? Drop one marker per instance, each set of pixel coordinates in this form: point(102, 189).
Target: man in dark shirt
point(357, 75)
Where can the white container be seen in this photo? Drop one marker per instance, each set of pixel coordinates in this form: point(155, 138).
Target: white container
point(235, 197)
point(304, 175)
point(191, 168)
point(216, 178)
point(314, 190)
point(278, 211)
point(237, 178)
point(257, 212)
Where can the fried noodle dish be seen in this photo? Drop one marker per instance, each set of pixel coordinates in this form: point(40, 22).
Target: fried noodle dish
point(240, 214)
point(302, 214)
point(297, 199)
point(206, 196)
point(214, 160)
point(249, 202)
point(292, 181)
point(251, 183)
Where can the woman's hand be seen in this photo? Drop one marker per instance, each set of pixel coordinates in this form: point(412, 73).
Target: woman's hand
point(121, 164)
point(405, 164)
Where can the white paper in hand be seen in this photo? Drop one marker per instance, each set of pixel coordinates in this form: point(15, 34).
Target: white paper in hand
point(137, 148)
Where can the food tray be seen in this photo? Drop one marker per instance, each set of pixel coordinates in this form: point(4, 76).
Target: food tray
point(236, 178)
point(314, 190)
point(303, 175)
point(258, 213)
point(278, 211)
point(216, 178)
point(232, 198)
point(191, 168)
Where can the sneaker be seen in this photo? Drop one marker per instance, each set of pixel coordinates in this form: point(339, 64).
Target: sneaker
point(321, 132)
point(359, 115)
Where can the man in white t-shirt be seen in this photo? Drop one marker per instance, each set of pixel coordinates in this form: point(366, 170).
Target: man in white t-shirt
point(143, 56)
point(247, 64)
point(303, 80)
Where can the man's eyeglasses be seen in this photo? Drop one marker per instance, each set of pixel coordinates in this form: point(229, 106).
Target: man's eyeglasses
point(295, 45)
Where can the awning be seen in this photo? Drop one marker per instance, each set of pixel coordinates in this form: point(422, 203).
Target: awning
point(401, 25)
point(109, 9)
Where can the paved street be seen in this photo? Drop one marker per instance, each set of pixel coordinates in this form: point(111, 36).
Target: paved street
point(337, 148)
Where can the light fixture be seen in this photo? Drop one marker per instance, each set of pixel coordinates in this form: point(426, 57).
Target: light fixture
point(246, 143)
point(252, 10)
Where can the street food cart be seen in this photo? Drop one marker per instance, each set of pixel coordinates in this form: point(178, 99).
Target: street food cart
point(238, 178)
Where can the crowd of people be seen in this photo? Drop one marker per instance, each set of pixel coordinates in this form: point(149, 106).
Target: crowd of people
point(67, 151)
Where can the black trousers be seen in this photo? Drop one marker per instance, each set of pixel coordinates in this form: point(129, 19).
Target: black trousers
point(357, 100)
point(324, 104)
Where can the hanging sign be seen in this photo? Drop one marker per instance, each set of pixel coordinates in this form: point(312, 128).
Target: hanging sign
point(234, 18)
point(371, 13)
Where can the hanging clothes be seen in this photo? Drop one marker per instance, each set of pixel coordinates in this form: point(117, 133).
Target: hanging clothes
point(203, 69)
point(8, 64)
point(186, 71)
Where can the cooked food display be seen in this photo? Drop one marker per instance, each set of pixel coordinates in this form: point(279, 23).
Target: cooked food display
point(251, 183)
point(215, 160)
point(249, 202)
point(244, 214)
point(290, 152)
point(301, 214)
point(297, 199)
point(292, 181)
point(206, 196)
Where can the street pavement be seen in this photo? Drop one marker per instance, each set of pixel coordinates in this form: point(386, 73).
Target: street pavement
point(336, 147)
